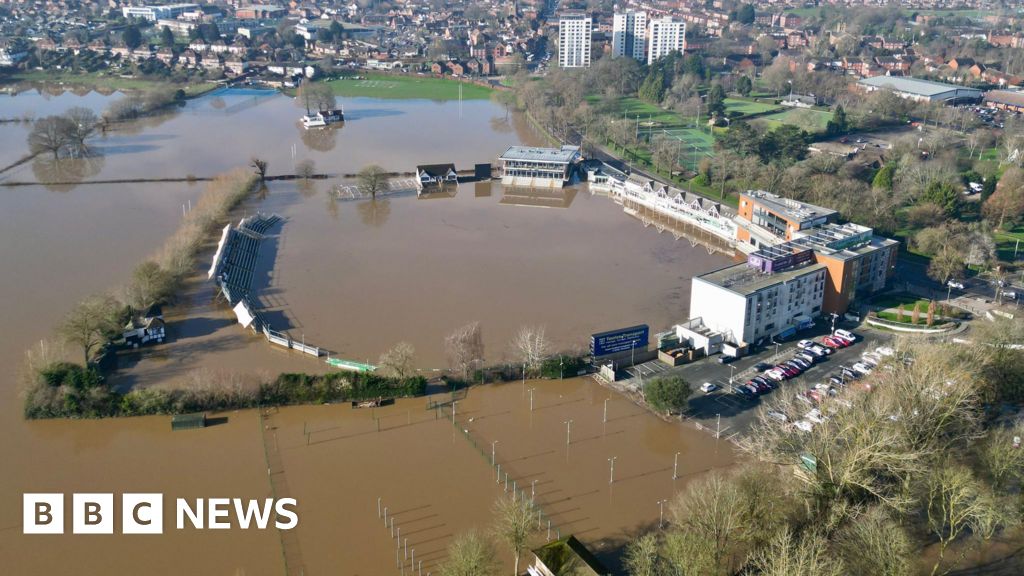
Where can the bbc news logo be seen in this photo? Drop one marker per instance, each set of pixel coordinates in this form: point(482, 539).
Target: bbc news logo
point(144, 513)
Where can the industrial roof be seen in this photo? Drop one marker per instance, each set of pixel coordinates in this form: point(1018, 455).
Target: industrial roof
point(746, 280)
point(563, 155)
point(1011, 97)
point(913, 85)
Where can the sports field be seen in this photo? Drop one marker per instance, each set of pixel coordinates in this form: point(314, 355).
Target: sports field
point(747, 107)
point(408, 87)
point(803, 118)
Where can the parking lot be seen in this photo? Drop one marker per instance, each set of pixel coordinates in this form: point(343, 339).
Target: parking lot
point(726, 413)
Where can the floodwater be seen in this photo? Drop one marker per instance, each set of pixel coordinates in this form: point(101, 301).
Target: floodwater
point(355, 278)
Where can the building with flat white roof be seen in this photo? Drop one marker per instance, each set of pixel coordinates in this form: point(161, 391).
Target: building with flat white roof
point(539, 167)
point(160, 12)
point(629, 34)
point(921, 90)
point(666, 36)
point(746, 303)
point(574, 32)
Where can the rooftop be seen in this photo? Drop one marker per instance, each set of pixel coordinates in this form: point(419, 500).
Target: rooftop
point(841, 241)
point(793, 210)
point(1011, 97)
point(563, 155)
point(746, 280)
point(912, 85)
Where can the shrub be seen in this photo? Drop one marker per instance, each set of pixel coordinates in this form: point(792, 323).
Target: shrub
point(667, 394)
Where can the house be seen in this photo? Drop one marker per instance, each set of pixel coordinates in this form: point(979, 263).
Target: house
point(566, 556)
point(145, 327)
point(434, 177)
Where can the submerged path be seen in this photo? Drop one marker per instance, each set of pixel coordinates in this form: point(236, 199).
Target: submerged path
point(290, 550)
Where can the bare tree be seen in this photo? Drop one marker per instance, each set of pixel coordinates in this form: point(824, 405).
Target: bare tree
point(465, 349)
point(91, 323)
point(642, 556)
point(531, 345)
point(686, 552)
point(82, 124)
point(260, 166)
point(315, 96)
point(373, 179)
point(305, 169)
point(873, 543)
point(791, 555)
point(712, 508)
point(150, 285)
point(957, 503)
point(50, 134)
point(515, 523)
point(1002, 455)
point(399, 361)
point(469, 554)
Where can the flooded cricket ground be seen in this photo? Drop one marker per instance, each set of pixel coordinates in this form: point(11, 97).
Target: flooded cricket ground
point(354, 277)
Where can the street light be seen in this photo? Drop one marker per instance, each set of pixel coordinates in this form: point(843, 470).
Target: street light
point(606, 409)
point(661, 513)
point(531, 398)
point(611, 474)
point(568, 431)
point(732, 370)
point(675, 466)
point(492, 451)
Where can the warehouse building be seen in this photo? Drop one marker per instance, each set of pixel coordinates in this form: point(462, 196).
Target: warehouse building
point(921, 90)
point(1010, 100)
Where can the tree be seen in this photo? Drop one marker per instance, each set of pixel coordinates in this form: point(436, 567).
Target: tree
point(956, 503)
point(150, 285)
point(166, 37)
point(465, 349)
point(884, 177)
point(686, 552)
point(838, 124)
point(305, 169)
point(50, 134)
point(944, 195)
point(930, 320)
point(315, 96)
point(91, 323)
point(131, 37)
point(744, 86)
point(716, 101)
point(1002, 455)
point(372, 179)
point(469, 554)
point(790, 555)
point(899, 313)
point(664, 152)
point(741, 138)
point(667, 393)
point(82, 123)
point(531, 345)
point(642, 556)
point(261, 168)
point(873, 543)
point(948, 263)
point(1006, 204)
point(653, 88)
point(787, 143)
point(337, 30)
point(745, 14)
point(399, 362)
point(515, 522)
point(712, 508)
point(915, 314)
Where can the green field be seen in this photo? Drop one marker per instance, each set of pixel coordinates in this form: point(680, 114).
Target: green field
point(804, 118)
point(695, 142)
point(747, 107)
point(631, 108)
point(1006, 241)
point(103, 81)
point(407, 87)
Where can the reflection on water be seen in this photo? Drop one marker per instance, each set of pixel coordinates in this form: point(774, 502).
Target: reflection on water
point(539, 197)
point(64, 174)
point(374, 213)
point(320, 139)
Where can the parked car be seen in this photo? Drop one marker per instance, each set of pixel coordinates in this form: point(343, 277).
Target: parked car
point(743, 391)
point(846, 334)
point(835, 343)
point(823, 350)
point(836, 381)
point(775, 374)
point(843, 339)
point(708, 387)
point(725, 359)
point(762, 366)
point(761, 386)
point(766, 381)
point(805, 343)
point(862, 368)
point(807, 357)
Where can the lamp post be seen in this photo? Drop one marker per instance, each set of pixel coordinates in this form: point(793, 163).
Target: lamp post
point(492, 452)
point(531, 398)
point(568, 431)
point(611, 473)
point(661, 513)
point(732, 370)
point(834, 318)
point(606, 410)
point(675, 466)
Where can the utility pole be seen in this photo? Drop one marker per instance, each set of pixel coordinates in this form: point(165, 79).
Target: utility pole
point(493, 443)
point(611, 474)
point(568, 431)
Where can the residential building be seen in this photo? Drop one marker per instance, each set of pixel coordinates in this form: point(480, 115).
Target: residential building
point(154, 13)
point(921, 90)
point(574, 31)
point(769, 219)
point(629, 30)
point(666, 36)
point(539, 167)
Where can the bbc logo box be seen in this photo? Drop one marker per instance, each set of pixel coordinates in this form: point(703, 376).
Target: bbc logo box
point(92, 513)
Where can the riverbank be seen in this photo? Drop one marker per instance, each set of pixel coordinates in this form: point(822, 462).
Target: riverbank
point(102, 83)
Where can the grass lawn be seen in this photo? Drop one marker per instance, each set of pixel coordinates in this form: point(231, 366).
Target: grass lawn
point(108, 81)
point(1007, 240)
point(407, 87)
point(908, 300)
point(804, 118)
point(633, 107)
point(747, 107)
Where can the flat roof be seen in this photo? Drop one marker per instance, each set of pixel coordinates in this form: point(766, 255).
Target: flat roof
point(791, 209)
point(1010, 97)
point(562, 155)
point(913, 85)
point(745, 280)
point(823, 238)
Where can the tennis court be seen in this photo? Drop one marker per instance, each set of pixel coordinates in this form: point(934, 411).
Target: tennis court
point(694, 141)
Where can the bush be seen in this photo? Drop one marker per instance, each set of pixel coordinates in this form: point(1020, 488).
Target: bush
point(562, 366)
point(667, 394)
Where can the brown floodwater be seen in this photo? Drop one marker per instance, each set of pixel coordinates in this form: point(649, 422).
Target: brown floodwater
point(356, 278)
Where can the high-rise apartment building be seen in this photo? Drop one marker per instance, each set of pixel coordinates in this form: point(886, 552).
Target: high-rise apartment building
point(574, 30)
point(629, 31)
point(666, 35)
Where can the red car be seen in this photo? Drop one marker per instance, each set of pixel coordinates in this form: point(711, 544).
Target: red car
point(833, 342)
